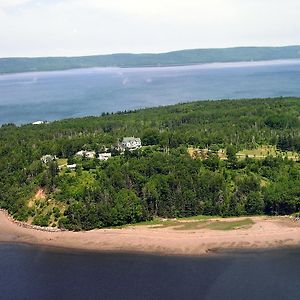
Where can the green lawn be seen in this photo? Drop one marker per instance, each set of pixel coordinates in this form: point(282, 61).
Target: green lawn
point(258, 153)
point(264, 151)
point(198, 222)
point(230, 225)
point(62, 161)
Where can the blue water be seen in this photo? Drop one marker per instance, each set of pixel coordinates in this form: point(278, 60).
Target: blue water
point(37, 273)
point(29, 97)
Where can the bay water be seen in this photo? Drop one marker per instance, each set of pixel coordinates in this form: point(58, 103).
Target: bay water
point(31, 273)
point(29, 97)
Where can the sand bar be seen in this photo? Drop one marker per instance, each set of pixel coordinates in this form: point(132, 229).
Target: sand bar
point(266, 232)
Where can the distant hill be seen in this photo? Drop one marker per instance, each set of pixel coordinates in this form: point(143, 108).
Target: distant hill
point(183, 57)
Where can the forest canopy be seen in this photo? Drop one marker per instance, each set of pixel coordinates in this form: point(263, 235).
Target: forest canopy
point(162, 178)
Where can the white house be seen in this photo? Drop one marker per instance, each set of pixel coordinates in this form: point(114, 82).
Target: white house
point(131, 143)
point(38, 122)
point(47, 158)
point(104, 156)
point(87, 154)
point(71, 167)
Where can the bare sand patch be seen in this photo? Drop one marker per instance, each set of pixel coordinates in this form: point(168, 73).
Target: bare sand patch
point(265, 232)
point(40, 195)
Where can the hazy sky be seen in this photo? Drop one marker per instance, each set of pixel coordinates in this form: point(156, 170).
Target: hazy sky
point(83, 27)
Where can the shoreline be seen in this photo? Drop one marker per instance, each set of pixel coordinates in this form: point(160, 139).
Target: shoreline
point(212, 253)
point(237, 63)
point(266, 233)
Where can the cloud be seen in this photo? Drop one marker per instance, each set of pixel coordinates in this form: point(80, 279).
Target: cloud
point(81, 27)
point(11, 3)
point(168, 9)
point(29, 4)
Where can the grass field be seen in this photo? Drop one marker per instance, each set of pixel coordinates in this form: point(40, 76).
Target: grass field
point(232, 225)
point(257, 153)
point(198, 222)
point(266, 150)
point(62, 162)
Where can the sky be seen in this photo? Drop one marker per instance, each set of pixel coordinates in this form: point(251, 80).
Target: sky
point(87, 27)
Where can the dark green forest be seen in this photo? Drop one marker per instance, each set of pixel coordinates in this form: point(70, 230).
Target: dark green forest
point(182, 57)
point(160, 179)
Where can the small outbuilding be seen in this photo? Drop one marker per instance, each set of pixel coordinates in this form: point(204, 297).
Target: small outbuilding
point(38, 122)
point(72, 167)
point(87, 154)
point(47, 158)
point(104, 156)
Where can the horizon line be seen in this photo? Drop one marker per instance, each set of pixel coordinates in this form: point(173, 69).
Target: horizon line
point(144, 53)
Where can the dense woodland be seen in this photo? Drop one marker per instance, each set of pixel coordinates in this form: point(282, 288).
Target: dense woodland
point(160, 179)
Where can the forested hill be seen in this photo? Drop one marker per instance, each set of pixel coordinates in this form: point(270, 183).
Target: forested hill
point(165, 177)
point(184, 57)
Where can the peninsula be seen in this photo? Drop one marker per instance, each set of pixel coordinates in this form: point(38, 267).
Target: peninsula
point(154, 180)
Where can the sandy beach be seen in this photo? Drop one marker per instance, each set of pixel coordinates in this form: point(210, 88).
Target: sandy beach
point(266, 232)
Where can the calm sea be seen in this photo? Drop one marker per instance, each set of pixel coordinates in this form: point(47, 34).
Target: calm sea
point(36, 273)
point(50, 96)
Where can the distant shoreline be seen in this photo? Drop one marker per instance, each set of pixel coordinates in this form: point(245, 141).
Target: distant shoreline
point(172, 58)
point(266, 233)
point(208, 65)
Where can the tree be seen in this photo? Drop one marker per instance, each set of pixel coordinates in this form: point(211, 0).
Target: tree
point(254, 204)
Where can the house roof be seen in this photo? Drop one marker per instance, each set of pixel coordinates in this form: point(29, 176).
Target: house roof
point(71, 166)
point(131, 139)
point(38, 122)
point(47, 156)
point(83, 152)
